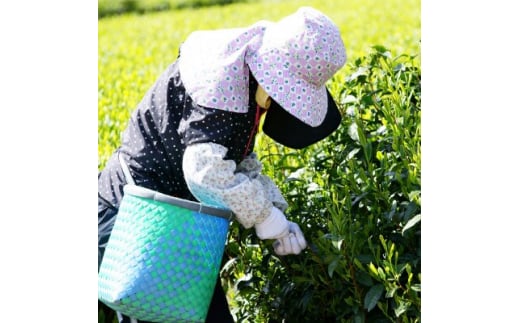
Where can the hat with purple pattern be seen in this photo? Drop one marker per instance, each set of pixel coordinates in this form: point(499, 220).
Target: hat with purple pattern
point(295, 59)
point(291, 60)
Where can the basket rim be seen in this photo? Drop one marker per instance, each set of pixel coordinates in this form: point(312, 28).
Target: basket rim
point(147, 193)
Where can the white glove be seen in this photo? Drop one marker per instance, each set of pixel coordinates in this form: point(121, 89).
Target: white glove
point(289, 237)
point(293, 243)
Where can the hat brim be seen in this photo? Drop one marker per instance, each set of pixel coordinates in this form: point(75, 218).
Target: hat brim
point(289, 131)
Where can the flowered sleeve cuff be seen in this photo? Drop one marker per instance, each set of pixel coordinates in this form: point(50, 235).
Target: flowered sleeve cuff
point(252, 168)
point(215, 181)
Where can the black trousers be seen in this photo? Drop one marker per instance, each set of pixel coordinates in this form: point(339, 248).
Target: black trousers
point(219, 308)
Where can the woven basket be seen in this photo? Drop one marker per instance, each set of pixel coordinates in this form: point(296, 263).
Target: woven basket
point(163, 256)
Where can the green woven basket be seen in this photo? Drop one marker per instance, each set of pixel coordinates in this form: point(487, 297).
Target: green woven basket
point(163, 256)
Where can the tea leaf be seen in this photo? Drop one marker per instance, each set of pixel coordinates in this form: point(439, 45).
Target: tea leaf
point(337, 244)
point(332, 266)
point(353, 132)
point(373, 296)
point(412, 222)
point(403, 307)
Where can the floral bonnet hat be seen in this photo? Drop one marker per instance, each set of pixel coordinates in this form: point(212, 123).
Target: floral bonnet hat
point(291, 60)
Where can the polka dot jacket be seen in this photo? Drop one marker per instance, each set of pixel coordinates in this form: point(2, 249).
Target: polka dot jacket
point(179, 148)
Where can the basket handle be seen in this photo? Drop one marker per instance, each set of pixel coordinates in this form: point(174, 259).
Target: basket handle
point(145, 192)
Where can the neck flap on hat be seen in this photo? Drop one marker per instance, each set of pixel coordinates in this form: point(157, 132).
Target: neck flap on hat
point(213, 69)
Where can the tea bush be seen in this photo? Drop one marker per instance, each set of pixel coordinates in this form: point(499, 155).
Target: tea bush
point(357, 198)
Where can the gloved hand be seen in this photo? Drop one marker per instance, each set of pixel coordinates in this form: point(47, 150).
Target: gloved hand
point(293, 243)
point(289, 238)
